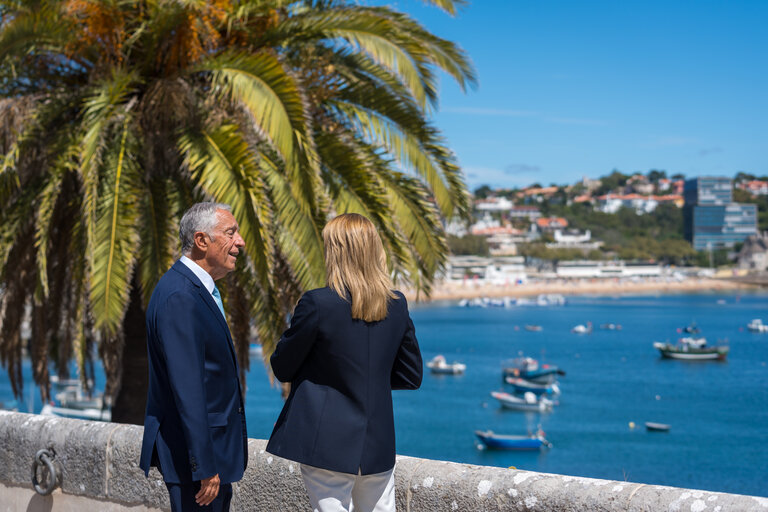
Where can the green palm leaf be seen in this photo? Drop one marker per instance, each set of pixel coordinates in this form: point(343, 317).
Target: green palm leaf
point(116, 233)
point(224, 166)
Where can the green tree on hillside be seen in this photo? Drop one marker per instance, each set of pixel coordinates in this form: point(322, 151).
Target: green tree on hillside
point(115, 116)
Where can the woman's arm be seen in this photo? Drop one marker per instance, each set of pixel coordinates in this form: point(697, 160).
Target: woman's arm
point(296, 341)
point(408, 368)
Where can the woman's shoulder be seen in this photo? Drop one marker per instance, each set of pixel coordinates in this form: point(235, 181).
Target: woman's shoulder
point(323, 294)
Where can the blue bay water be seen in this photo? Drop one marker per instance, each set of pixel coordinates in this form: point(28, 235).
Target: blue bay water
point(718, 411)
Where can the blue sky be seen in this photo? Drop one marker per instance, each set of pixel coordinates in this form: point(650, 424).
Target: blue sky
point(581, 87)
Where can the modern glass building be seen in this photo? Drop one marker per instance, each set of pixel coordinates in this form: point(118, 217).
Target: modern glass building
point(712, 220)
point(708, 191)
point(718, 227)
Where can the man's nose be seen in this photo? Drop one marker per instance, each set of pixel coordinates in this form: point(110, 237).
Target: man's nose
point(239, 242)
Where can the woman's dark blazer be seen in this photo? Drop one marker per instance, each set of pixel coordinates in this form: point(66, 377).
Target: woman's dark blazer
point(338, 415)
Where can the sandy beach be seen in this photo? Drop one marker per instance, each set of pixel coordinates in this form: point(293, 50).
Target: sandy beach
point(468, 290)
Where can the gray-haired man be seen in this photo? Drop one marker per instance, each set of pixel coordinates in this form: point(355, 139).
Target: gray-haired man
point(194, 428)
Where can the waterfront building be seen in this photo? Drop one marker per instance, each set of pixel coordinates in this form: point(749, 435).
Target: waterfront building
point(712, 220)
point(586, 269)
point(481, 270)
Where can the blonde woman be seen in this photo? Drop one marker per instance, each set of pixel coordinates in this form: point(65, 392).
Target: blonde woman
point(348, 346)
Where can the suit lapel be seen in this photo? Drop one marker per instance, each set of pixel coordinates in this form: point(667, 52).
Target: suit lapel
point(206, 297)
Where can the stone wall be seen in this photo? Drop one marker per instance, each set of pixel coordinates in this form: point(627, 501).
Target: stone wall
point(99, 466)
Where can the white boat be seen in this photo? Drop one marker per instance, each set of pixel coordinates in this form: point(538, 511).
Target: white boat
point(757, 325)
point(582, 329)
point(73, 402)
point(88, 413)
point(689, 352)
point(440, 366)
point(254, 349)
point(528, 402)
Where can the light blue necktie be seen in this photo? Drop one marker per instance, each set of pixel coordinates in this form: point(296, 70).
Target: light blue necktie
point(217, 300)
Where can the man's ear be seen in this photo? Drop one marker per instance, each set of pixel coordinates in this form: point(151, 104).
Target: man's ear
point(201, 241)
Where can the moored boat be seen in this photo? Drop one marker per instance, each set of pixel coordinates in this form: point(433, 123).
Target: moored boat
point(440, 366)
point(533, 328)
point(530, 370)
point(522, 386)
point(689, 352)
point(656, 427)
point(512, 442)
point(529, 402)
point(73, 402)
point(757, 325)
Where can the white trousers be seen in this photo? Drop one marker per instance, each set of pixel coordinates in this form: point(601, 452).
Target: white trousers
point(330, 491)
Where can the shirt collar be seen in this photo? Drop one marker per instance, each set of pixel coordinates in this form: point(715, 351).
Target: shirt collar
point(201, 274)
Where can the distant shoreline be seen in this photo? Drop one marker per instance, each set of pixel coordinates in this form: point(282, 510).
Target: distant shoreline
point(469, 290)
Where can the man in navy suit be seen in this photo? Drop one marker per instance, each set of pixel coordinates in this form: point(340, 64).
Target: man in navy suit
point(194, 428)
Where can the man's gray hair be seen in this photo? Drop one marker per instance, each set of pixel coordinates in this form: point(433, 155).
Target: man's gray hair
point(199, 217)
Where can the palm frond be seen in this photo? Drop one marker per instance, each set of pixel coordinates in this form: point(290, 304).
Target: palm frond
point(116, 233)
point(273, 98)
point(225, 169)
point(298, 235)
point(157, 229)
point(100, 111)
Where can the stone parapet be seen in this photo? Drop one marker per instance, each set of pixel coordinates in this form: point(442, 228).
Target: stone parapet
point(99, 466)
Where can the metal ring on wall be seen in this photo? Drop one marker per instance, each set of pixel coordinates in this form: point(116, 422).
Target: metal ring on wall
point(44, 457)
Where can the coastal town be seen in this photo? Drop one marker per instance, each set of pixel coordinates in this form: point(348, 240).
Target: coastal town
point(694, 234)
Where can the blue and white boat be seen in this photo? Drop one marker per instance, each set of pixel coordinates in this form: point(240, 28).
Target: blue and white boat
point(523, 386)
point(506, 442)
point(529, 369)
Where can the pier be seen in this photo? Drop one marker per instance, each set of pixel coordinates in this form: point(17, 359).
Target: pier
point(96, 466)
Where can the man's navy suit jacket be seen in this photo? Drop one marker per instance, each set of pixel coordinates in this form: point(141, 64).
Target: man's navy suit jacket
point(338, 415)
point(194, 426)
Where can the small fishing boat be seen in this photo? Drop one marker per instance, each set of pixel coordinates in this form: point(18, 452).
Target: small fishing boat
point(506, 442)
point(656, 427)
point(692, 349)
point(528, 402)
point(582, 329)
point(533, 328)
point(438, 365)
point(530, 370)
point(611, 327)
point(73, 402)
point(757, 325)
point(522, 386)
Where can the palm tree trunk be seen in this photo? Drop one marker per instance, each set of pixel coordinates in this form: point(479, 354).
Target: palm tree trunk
point(131, 400)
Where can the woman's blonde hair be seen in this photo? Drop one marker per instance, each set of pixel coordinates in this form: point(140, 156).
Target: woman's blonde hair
point(355, 264)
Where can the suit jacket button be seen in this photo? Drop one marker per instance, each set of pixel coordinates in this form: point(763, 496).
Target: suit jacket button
point(240, 409)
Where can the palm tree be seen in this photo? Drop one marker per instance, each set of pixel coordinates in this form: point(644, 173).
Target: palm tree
point(116, 115)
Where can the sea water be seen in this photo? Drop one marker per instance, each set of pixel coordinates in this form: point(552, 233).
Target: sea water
point(718, 411)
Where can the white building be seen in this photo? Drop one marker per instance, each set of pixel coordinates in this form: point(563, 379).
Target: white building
point(498, 270)
point(573, 240)
point(585, 269)
point(494, 204)
point(612, 203)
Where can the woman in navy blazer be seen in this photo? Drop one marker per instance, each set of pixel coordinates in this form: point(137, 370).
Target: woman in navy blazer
point(347, 347)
